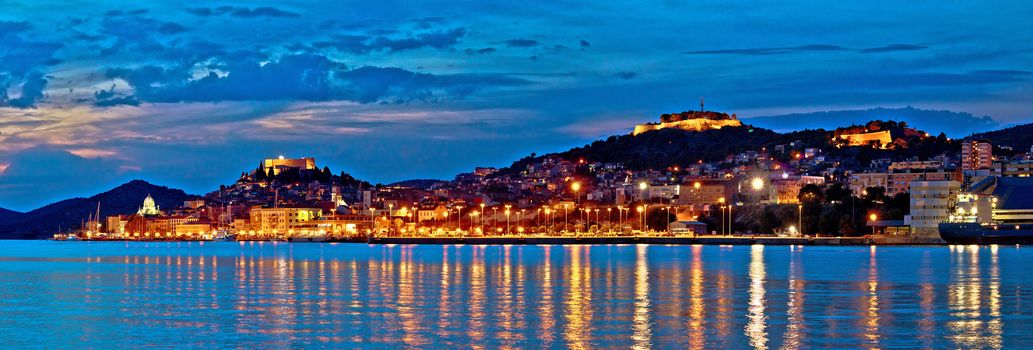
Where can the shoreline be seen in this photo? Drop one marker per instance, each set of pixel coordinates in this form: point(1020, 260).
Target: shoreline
point(701, 240)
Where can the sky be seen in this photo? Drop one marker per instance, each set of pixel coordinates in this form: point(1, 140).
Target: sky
point(96, 93)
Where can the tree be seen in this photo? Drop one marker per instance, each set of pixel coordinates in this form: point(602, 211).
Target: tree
point(658, 219)
point(325, 176)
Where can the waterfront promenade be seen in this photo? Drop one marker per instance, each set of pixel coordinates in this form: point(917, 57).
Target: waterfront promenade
point(677, 240)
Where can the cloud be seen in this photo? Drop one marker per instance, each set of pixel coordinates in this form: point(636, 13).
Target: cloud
point(521, 43)
point(9, 28)
point(362, 44)
point(761, 51)
point(584, 43)
point(626, 75)
point(117, 13)
point(20, 64)
point(485, 50)
point(136, 33)
point(894, 47)
point(31, 91)
point(241, 12)
point(304, 77)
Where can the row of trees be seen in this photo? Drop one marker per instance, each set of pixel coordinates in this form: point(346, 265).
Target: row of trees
point(825, 210)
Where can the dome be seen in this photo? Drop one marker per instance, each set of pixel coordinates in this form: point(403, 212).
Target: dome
point(149, 208)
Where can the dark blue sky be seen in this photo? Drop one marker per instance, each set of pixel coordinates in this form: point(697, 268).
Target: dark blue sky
point(97, 93)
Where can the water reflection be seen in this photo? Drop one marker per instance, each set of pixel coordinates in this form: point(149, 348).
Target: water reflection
point(641, 321)
point(872, 317)
point(275, 295)
point(756, 328)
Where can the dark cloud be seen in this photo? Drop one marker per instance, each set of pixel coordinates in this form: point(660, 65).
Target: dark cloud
point(116, 13)
point(31, 91)
point(241, 12)
point(626, 75)
point(761, 51)
point(521, 43)
point(20, 64)
point(894, 47)
point(362, 44)
point(108, 98)
point(10, 28)
point(137, 33)
point(305, 77)
point(585, 43)
point(485, 50)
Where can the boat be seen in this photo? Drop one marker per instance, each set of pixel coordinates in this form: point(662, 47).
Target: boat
point(224, 236)
point(1009, 200)
point(978, 233)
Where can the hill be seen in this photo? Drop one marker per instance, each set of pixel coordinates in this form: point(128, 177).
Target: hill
point(8, 215)
point(423, 184)
point(69, 214)
point(659, 149)
point(1018, 137)
point(955, 124)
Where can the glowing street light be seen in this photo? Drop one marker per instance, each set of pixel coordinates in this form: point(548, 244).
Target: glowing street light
point(757, 183)
point(576, 187)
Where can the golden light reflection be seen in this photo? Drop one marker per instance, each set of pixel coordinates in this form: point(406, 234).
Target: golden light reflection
point(697, 308)
point(872, 317)
point(444, 302)
point(545, 307)
point(756, 327)
point(478, 288)
point(965, 298)
point(641, 323)
point(578, 300)
point(794, 302)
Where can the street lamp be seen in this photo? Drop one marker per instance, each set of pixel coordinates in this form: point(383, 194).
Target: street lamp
point(757, 184)
point(873, 217)
point(576, 186)
point(799, 220)
point(642, 210)
point(507, 218)
point(482, 218)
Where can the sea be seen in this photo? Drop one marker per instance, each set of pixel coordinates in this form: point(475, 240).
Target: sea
point(272, 295)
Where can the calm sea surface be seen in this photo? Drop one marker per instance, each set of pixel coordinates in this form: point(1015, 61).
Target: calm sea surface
point(281, 295)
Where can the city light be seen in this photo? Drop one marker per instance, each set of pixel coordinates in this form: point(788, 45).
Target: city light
point(757, 183)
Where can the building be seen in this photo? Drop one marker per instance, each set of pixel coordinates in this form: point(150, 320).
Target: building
point(787, 189)
point(149, 208)
point(976, 155)
point(687, 227)
point(931, 202)
point(708, 191)
point(881, 138)
point(281, 219)
point(894, 182)
point(691, 121)
point(280, 164)
point(916, 165)
point(1016, 169)
point(116, 225)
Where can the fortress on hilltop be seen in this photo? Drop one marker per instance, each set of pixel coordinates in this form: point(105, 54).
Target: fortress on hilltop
point(700, 120)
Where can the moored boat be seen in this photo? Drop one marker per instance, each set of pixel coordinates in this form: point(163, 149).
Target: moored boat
point(976, 233)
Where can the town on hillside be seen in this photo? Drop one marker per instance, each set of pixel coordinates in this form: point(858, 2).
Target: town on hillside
point(881, 180)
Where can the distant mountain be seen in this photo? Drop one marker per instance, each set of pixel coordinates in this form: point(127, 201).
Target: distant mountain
point(70, 213)
point(8, 215)
point(419, 183)
point(1018, 137)
point(954, 124)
